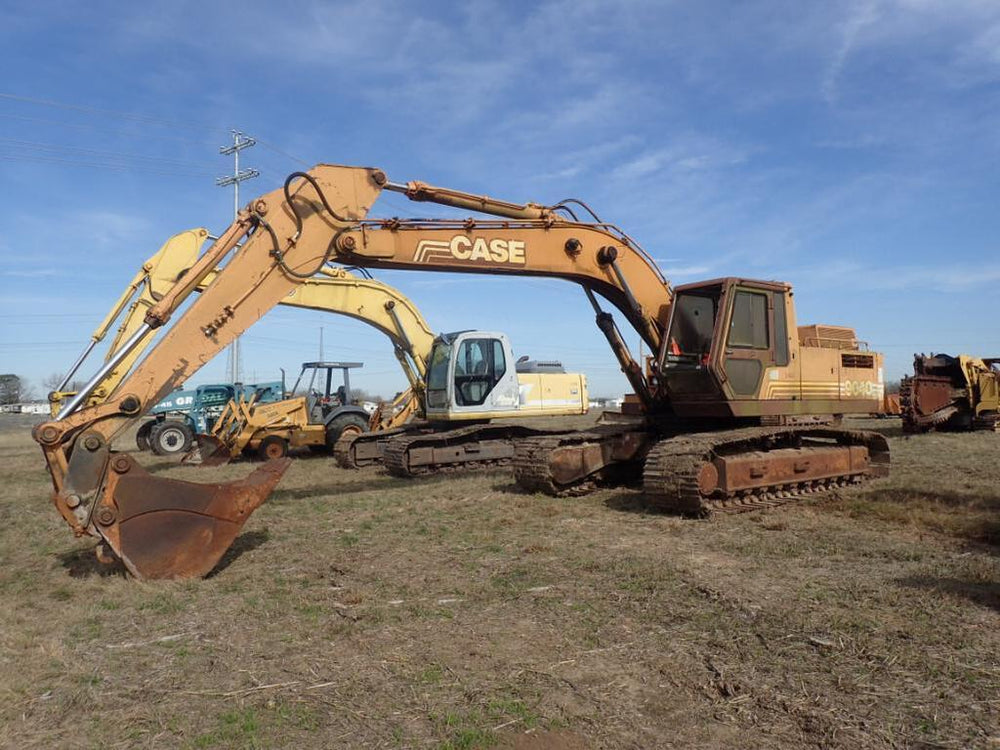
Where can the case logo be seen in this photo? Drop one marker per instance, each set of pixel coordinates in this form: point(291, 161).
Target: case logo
point(497, 251)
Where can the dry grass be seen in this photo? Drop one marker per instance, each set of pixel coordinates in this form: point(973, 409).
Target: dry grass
point(362, 611)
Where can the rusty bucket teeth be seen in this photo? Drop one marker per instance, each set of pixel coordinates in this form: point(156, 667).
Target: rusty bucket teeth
point(209, 451)
point(167, 528)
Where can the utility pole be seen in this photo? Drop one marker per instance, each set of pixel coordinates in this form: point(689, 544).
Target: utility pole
point(240, 142)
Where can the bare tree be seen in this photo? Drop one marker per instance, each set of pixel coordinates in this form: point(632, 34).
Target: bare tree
point(53, 381)
point(10, 388)
point(15, 389)
point(360, 394)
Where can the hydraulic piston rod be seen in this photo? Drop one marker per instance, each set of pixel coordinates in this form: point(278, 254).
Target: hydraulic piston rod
point(111, 364)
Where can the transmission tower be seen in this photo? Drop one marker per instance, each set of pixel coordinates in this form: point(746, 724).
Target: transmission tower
point(240, 142)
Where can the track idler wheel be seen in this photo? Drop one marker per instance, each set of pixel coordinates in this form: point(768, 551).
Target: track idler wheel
point(167, 528)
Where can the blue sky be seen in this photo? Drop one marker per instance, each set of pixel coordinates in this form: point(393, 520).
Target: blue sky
point(849, 148)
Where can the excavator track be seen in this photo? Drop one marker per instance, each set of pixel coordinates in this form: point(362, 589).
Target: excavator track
point(346, 449)
point(987, 422)
point(780, 464)
point(462, 449)
point(684, 473)
point(906, 407)
point(533, 471)
point(535, 459)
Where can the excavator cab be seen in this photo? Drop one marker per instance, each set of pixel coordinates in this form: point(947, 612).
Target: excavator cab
point(474, 375)
point(724, 338)
point(471, 374)
point(733, 350)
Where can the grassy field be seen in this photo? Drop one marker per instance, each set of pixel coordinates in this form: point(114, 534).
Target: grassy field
point(358, 610)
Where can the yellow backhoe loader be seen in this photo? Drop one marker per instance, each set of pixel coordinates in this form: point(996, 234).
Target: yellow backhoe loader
point(315, 420)
point(722, 410)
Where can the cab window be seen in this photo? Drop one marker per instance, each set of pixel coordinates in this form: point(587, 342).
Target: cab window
point(694, 320)
point(437, 375)
point(748, 327)
point(479, 365)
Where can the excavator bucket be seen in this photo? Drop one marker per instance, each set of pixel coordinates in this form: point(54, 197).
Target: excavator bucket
point(166, 528)
point(208, 451)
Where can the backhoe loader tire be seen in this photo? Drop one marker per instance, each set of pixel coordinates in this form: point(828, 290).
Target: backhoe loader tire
point(272, 447)
point(142, 436)
point(170, 438)
point(345, 424)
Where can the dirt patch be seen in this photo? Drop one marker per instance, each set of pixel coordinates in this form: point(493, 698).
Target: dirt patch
point(359, 610)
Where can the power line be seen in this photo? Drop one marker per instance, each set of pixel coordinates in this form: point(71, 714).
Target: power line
point(105, 130)
point(287, 155)
point(117, 155)
point(134, 117)
point(45, 315)
point(161, 172)
point(147, 119)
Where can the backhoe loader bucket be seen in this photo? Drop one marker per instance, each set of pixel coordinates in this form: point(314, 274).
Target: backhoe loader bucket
point(167, 528)
point(208, 451)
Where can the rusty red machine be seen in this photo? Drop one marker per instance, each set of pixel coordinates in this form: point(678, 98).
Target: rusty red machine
point(951, 394)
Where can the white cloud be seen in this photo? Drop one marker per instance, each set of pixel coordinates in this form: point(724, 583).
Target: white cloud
point(954, 278)
point(684, 154)
point(867, 277)
point(864, 14)
point(673, 272)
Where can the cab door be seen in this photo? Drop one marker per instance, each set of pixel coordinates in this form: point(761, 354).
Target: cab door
point(749, 343)
point(483, 376)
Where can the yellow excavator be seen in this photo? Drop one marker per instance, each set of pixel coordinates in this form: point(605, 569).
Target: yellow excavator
point(723, 412)
point(157, 275)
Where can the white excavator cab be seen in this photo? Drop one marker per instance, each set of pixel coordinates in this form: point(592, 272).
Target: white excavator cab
point(473, 375)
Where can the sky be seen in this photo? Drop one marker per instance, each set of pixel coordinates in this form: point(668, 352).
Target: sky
point(848, 147)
